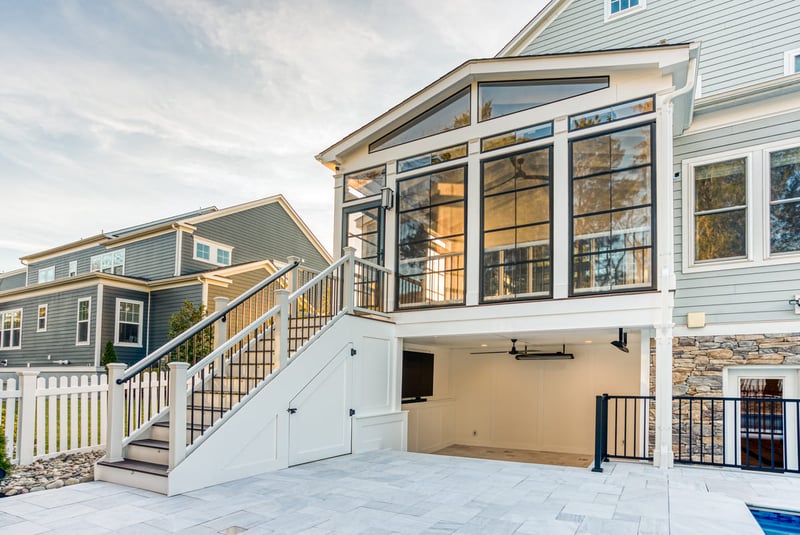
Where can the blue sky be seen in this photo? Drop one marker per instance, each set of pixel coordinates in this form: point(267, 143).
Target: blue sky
point(114, 113)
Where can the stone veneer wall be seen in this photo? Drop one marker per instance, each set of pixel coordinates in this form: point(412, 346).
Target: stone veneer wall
point(697, 367)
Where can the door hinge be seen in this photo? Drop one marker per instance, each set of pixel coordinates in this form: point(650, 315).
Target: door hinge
point(352, 412)
point(291, 410)
point(353, 352)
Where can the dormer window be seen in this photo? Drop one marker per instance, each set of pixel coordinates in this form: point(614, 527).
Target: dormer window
point(212, 252)
point(620, 8)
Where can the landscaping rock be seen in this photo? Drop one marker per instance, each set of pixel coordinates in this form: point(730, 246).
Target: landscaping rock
point(68, 469)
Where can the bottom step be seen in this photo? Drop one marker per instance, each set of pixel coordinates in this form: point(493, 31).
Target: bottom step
point(139, 474)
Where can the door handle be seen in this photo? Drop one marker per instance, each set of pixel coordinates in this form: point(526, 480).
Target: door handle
point(291, 410)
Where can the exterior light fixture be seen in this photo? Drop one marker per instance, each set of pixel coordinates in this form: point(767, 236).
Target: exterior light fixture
point(387, 198)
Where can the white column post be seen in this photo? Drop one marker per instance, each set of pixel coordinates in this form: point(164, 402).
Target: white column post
point(220, 330)
point(349, 282)
point(293, 278)
point(177, 412)
point(26, 425)
point(663, 455)
point(116, 412)
point(282, 338)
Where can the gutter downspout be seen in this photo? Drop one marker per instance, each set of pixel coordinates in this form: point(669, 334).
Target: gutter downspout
point(663, 455)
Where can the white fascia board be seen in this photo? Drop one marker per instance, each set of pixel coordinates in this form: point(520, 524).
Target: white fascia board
point(600, 63)
point(591, 312)
point(81, 281)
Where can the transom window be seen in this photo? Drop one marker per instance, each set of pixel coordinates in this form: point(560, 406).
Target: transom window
point(496, 99)
point(82, 335)
point(112, 262)
point(212, 252)
point(612, 211)
point(128, 330)
point(430, 245)
point(11, 329)
point(720, 210)
point(363, 184)
point(41, 319)
point(452, 113)
point(516, 225)
point(47, 274)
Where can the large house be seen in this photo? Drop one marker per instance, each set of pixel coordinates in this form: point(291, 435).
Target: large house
point(123, 286)
point(609, 205)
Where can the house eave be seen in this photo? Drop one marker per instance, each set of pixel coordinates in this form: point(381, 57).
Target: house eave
point(752, 93)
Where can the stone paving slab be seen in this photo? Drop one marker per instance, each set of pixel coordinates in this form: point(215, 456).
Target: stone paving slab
point(399, 492)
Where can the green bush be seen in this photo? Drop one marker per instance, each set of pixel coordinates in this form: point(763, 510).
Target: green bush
point(5, 464)
point(201, 344)
point(109, 355)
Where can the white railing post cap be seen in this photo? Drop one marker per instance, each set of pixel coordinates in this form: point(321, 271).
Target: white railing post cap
point(177, 365)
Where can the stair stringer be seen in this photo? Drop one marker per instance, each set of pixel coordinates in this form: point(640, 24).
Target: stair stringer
point(255, 438)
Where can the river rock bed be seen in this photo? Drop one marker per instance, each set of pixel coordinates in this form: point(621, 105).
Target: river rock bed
point(67, 469)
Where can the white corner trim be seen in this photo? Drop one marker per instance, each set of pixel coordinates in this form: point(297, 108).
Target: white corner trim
point(178, 251)
point(98, 326)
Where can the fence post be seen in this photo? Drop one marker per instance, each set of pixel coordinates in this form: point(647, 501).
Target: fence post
point(26, 424)
point(600, 431)
point(349, 283)
point(116, 412)
point(220, 330)
point(293, 274)
point(282, 326)
point(177, 412)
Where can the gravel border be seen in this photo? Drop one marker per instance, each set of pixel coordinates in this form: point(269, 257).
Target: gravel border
point(67, 469)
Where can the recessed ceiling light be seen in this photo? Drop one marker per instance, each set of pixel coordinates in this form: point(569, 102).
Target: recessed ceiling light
point(587, 341)
point(484, 345)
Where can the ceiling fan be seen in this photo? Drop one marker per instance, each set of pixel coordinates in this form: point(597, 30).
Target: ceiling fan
point(529, 354)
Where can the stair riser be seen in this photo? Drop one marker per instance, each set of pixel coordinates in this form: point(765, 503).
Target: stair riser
point(132, 479)
point(148, 455)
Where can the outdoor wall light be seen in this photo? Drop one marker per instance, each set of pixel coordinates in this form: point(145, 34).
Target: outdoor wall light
point(387, 198)
point(622, 342)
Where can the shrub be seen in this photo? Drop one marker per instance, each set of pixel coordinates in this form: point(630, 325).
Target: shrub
point(109, 355)
point(5, 464)
point(201, 344)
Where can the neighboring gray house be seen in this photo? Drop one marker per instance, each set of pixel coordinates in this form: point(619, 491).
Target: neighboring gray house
point(123, 286)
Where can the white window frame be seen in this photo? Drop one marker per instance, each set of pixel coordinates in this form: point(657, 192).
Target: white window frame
point(608, 16)
point(39, 327)
point(88, 322)
point(49, 269)
point(788, 61)
point(213, 247)
point(73, 268)
point(688, 231)
point(2, 323)
point(119, 301)
point(112, 254)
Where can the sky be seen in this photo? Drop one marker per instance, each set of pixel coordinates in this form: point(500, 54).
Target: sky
point(115, 113)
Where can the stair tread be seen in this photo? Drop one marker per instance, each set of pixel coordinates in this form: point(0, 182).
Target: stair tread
point(138, 466)
point(151, 443)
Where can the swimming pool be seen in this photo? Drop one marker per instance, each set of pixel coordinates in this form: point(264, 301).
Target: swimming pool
point(777, 522)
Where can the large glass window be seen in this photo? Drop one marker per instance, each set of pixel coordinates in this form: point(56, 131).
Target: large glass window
point(516, 225)
point(612, 211)
point(720, 210)
point(366, 183)
point(364, 232)
point(496, 99)
point(129, 323)
point(784, 204)
point(113, 262)
point(11, 329)
point(448, 115)
point(430, 245)
point(82, 335)
point(47, 274)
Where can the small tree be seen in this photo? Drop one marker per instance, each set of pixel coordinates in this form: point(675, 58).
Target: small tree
point(199, 345)
point(109, 355)
point(5, 464)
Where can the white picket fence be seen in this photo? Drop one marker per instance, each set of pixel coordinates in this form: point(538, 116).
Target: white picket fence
point(43, 418)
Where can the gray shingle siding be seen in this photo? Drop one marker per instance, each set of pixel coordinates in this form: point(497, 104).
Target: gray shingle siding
point(163, 304)
point(757, 293)
point(58, 340)
point(128, 355)
point(727, 59)
point(149, 259)
point(11, 282)
point(262, 233)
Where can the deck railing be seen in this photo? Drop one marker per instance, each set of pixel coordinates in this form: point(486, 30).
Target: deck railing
point(752, 433)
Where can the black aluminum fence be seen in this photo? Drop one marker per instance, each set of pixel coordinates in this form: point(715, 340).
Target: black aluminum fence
point(754, 433)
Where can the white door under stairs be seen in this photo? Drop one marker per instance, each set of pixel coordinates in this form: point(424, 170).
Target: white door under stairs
point(319, 416)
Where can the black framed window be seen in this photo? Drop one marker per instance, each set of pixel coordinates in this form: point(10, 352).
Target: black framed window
point(363, 230)
point(496, 99)
point(613, 214)
point(365, 183)
point(430, 243)
point(516, 221)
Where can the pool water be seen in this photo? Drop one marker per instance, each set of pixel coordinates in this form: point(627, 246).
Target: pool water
point(777, 522)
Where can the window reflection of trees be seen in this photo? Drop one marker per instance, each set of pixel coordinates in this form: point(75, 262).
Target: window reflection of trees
point(720, 204)
point(785, 201)
point(431, 239)
point(612, 210)
point(516, 225)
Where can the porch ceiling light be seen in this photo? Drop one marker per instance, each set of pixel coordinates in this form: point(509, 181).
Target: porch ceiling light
point(622, 342)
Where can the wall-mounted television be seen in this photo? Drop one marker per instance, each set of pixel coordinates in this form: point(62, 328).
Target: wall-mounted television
point(417, 376)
